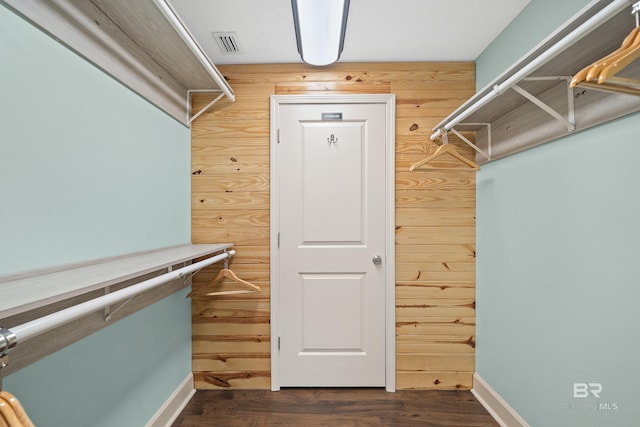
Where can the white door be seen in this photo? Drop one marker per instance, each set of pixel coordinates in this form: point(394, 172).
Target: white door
point(332, 224)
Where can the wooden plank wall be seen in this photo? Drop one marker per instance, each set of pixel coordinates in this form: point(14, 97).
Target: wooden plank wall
point(435, 210)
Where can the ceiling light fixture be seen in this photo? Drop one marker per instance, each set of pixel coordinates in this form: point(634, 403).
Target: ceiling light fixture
point(320, 28)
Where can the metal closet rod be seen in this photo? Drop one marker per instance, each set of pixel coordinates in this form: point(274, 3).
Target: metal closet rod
point(168, 11)
point(589, 25)
point(21, 333)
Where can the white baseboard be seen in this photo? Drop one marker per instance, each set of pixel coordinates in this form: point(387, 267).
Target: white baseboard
point(496, 405)
point(174, 405)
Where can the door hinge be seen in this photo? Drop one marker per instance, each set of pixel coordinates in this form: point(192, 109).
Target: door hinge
point(278, 135)
point(278, 240)
point(278, 343)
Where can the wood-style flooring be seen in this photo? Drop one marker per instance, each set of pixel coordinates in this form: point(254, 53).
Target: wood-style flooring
point(334, 407)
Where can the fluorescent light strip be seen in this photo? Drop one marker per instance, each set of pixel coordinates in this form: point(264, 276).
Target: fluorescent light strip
point(320, 29)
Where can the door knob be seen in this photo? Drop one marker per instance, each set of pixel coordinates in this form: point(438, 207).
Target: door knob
point(377, 260)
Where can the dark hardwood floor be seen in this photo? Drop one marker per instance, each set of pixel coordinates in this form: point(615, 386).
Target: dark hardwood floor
point(334, 407)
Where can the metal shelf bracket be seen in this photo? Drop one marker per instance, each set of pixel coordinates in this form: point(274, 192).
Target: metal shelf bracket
point(487, 153)
point(4, 361)
point(570, 122)
point(203, 109)
point(108, 313)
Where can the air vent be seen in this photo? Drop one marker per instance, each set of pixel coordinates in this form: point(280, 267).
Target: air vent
point(228, 42)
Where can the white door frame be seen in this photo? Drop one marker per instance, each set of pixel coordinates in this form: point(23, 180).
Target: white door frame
point(390, 294)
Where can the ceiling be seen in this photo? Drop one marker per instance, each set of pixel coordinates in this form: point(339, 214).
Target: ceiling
point(377, 30)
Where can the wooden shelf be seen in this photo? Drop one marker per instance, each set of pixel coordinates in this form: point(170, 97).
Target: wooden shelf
point(133, 42)
point(516, 123)
point(29, 291)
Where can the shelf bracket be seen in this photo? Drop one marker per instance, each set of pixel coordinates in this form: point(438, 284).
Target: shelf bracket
point(487, 153)
point(188, 277)
point(203, 109)
point(4, 361)
point(108, 313)
point(570, 122)
point(226, 261)
point(108, 316)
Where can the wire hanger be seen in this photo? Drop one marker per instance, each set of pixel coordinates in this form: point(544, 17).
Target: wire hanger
point(600, 74)
point(226, 273)
point(446, 148)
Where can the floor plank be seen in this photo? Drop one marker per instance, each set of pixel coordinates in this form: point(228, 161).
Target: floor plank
point(334, 407)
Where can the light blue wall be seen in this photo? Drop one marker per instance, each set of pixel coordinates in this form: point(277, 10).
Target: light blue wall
point(88, 169)
point(557, 280)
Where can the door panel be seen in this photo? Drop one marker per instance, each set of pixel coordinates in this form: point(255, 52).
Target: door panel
point(318, 291)
point(331, 185)
point(332, 182)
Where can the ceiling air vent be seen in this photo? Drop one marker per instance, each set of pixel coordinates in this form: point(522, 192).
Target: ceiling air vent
point(228, 42)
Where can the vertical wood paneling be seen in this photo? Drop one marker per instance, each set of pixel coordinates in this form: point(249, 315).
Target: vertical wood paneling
point(435, 221)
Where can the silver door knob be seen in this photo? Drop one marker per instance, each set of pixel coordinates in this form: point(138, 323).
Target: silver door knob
point(377, 260)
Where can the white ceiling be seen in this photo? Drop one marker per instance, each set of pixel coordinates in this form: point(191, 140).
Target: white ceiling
point(377, 30)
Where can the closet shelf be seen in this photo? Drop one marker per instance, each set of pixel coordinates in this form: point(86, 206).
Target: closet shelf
point(141, 43)
point(33, 290)
point(531, 103)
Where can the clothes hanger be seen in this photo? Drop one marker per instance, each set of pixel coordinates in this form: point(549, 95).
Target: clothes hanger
point(588, 73)
point(8, 414)
point(633, 38)
point(226, 273)
point(601, 74)
point(600, 65)
point(229, 274)
point(446, 148)
point(621, 61)
point(17, 408)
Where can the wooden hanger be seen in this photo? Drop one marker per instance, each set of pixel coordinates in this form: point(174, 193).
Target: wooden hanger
point(606, 79)
point(598, 66)
point(21, 414)
point(8, 415)
point(629, 55)
point(446, 149)
point(591, 72)
point(226, 273)
point(601, 74)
